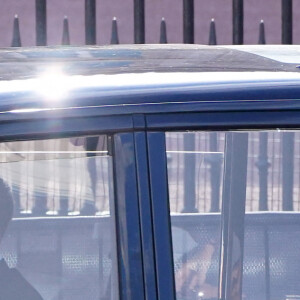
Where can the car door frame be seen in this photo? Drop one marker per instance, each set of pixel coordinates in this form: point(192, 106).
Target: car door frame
point(15, 127)
point(157, 125)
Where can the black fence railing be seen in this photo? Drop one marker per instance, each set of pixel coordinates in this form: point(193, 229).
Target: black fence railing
point(139, 24)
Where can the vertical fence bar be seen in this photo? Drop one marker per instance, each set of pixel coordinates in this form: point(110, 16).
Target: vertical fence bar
point(287, 21)
point(66, 34)
point(263, 166)
point(215, 172)
point(189, 174)
point(114, 39)
point(163, 32)
point(212, 40)
point(288, 143)
point(16, 39)
point(90, 22)
point(139, 21)
point(238, 22)
point(188, 21)
point(41, 22)
point(262, 36)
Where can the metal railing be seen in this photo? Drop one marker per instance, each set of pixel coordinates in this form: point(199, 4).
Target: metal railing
point(139, 24)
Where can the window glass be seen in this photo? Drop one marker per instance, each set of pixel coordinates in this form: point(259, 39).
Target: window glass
point(272, 231)
point(195, 171)
point(271, 264)
point(61, 241)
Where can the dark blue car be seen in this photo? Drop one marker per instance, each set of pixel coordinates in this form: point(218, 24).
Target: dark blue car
point(153, 172)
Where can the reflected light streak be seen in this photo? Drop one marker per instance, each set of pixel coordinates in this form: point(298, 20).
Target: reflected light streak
point(53, 85)
point(27, 110)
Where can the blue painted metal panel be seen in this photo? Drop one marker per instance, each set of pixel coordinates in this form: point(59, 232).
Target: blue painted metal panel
point(127, 217)
point(146, 216)
point(155, 108)
point(222, 120)
point(161, 215)
point(64, 126)
point(151, 92)
point(158, 97)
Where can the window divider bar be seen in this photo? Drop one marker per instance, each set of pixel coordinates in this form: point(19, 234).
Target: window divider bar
point(161, 215)
point(233, 215)
point(145, 215)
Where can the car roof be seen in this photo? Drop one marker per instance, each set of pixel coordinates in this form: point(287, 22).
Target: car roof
point(24, 63)
point(147, 78)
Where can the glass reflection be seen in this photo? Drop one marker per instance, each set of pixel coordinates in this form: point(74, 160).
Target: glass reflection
point(195, 170)
point(62, 237)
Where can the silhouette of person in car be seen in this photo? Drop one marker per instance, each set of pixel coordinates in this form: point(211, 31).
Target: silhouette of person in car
point(13, 286)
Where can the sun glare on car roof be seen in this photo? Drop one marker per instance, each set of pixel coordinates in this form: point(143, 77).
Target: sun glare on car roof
point(53, 84)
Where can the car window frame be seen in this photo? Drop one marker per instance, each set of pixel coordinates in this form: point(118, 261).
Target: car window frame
point(213, 120)
point(130, 287)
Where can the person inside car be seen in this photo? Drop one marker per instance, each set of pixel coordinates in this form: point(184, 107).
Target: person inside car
point(191, 277)
point(13, 286)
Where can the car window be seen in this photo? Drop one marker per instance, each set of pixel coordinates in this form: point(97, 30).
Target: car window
point(196, 166)
point(272, 227)
point(195, 171)
point(62, 237)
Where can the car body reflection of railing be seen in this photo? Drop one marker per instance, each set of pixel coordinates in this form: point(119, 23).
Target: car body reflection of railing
point(88, 190)
point(58, 177)
point(272, 180)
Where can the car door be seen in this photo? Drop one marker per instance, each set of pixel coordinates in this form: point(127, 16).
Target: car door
point(76, 230)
